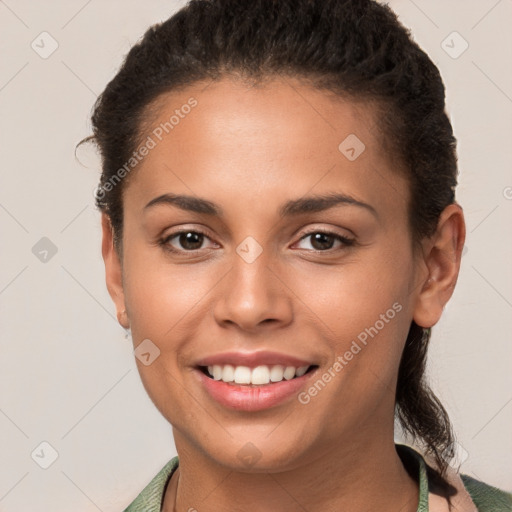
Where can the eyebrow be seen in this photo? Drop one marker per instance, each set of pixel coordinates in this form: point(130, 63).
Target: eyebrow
point(293, 207)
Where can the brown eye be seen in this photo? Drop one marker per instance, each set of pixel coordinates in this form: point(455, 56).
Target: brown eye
point(191, 241)
point(184, 241)
point(324, 241)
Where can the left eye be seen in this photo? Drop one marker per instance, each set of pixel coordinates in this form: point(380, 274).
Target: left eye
point(323, 241)
point(189, 240)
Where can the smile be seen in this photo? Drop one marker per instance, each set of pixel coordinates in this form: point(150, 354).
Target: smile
point(259, 376)
point(256, 380)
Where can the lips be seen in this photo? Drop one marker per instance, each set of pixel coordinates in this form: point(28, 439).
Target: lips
point(253, 381)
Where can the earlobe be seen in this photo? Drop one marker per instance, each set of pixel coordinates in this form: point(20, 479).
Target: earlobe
point(113, 271)
point(442, 257)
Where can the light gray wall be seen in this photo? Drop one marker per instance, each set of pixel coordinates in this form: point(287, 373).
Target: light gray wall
point(67, 374)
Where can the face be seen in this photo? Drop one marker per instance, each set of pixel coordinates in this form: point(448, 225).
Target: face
point(255, 270)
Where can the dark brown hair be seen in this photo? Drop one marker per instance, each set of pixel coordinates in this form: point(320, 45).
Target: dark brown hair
point(355, 48)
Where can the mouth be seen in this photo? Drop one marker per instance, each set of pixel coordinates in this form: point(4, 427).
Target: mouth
point(254, 381)
point(258, 376)
point(252, 389)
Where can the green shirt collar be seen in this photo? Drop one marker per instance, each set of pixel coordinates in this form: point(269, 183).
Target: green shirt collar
point(151, 497)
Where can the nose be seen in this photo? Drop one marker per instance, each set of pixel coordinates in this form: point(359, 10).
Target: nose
point(253, 296)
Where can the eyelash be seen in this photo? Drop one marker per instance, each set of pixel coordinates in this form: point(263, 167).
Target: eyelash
point(164, 242)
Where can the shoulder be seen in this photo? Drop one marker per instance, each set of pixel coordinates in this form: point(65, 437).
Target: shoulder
point(486, 497)
point(150, 498)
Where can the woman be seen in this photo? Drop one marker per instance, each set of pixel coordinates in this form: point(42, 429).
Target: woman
point(280, 233)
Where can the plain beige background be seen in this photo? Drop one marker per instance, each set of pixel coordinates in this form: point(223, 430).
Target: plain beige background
point(67, 373)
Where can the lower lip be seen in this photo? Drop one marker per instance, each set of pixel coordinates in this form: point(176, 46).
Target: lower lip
point(252, 398)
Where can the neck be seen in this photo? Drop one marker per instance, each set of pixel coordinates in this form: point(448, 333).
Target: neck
point(356, 477)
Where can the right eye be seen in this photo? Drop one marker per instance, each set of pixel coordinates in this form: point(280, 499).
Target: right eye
point(184, 240)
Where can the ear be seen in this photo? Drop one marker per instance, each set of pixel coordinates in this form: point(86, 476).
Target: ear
point(113, 270)
point(442, 253)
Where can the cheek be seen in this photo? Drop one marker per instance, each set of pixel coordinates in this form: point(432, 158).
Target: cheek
point(349, 297)
point(362, 312)
point(160, 296)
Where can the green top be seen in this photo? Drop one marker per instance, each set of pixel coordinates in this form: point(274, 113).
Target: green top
point(485, 497)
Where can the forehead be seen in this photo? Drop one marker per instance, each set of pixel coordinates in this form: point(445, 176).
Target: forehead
point(282, 136)
point(231, 108)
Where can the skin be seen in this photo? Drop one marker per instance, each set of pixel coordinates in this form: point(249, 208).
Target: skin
point(248, 150)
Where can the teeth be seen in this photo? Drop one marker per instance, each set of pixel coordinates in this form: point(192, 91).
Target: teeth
point(242, 375)
point(276, 373)
point(301, 371)
point(217, 372)
point(228, 373)
point(289, 372)
point(260, 375)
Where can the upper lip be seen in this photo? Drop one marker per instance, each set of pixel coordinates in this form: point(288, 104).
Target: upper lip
point(253, 359)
